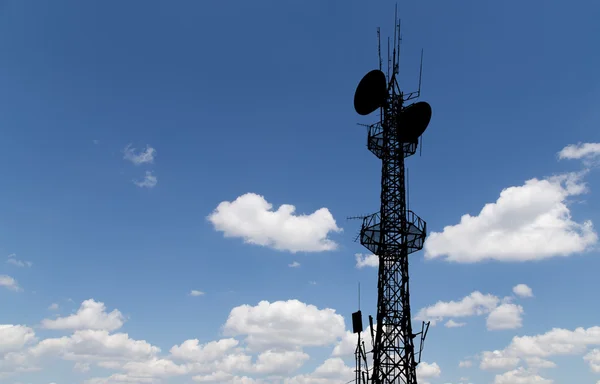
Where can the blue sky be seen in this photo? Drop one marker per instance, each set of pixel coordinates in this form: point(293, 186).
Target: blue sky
point(232, 98)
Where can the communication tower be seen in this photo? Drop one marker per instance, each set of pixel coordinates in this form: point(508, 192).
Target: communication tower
point(394, 232)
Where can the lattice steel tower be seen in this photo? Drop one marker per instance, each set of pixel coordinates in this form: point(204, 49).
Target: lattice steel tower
point(394, 232)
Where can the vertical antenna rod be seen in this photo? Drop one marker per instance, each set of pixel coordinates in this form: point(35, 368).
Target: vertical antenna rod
point(379, 48)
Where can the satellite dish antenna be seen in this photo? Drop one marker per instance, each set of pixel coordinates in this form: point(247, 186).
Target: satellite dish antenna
point(371, 93)
point(413, 121)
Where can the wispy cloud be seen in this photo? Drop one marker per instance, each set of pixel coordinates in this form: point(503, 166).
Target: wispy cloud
point(12, 259)
point(10, 283)
point(453, 324)
point(143, 157)
point(53, 307)
point(149, 181)
point(196, 293)
point(295, 264)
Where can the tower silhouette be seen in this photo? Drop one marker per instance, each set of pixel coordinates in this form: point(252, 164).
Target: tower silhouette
point(394, 232)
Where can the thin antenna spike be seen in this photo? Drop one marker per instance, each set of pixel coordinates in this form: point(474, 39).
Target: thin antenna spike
point(395, 37)
point(389, 60)
point(420, 73)
point(379, 47)
point(399, 41)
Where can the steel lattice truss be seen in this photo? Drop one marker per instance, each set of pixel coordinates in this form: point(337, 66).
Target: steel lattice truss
point(393, 233)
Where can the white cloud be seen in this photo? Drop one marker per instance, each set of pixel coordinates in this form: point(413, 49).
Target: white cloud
point(538, 363)
point(91, 315)
point(53, 307)
point(528, 222)
point(465, 364)
point(94, 346)
point(586, 151)
point(15, 337)
point(144, 157)
point(149, 181)
point(121, 379)
point(192, 350)
point(428, 371)
point(10, 283)
point(366, 260)
point(593, 359)
point(506, 316)
point(522, 290)
point(347, 344)
point(535, 350)
point(474, 304)
point(295, 264)
point(521, 376)
point(332, 371)
point(497, 360)
point(81, 367)
point(251, 217)
point(453, 324)
point(12, 259)
point(194, 292)
point(281, 363)
point(284, 324)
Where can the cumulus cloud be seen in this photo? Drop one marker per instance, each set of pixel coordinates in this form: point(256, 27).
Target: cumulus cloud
point(506, 316)
point(497, 360)
point(475, 304)
point(538, 363)
point(332, 371)
point(522, 290)
point(143, 157)
point(268, 341)
point(536, 350)
point(91, 315)
point(251, 218)
point(81, 367)
point(12, 259)
point(15, 337)
point(427, 371)
point(280, 362)
point(453, 324)
point(192, 350)
point(521, 376)
point(95, 345)
point(528, 222)
point(366, 260)
point(285, 325)
point(593, 359)
point(9, 283)
point(149, 181)
point(347, 344)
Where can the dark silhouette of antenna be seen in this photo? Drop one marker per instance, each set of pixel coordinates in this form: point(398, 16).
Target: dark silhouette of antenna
point(360, 354)
point(394, 232)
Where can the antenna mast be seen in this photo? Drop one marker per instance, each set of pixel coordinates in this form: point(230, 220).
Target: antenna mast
point(394, 232)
